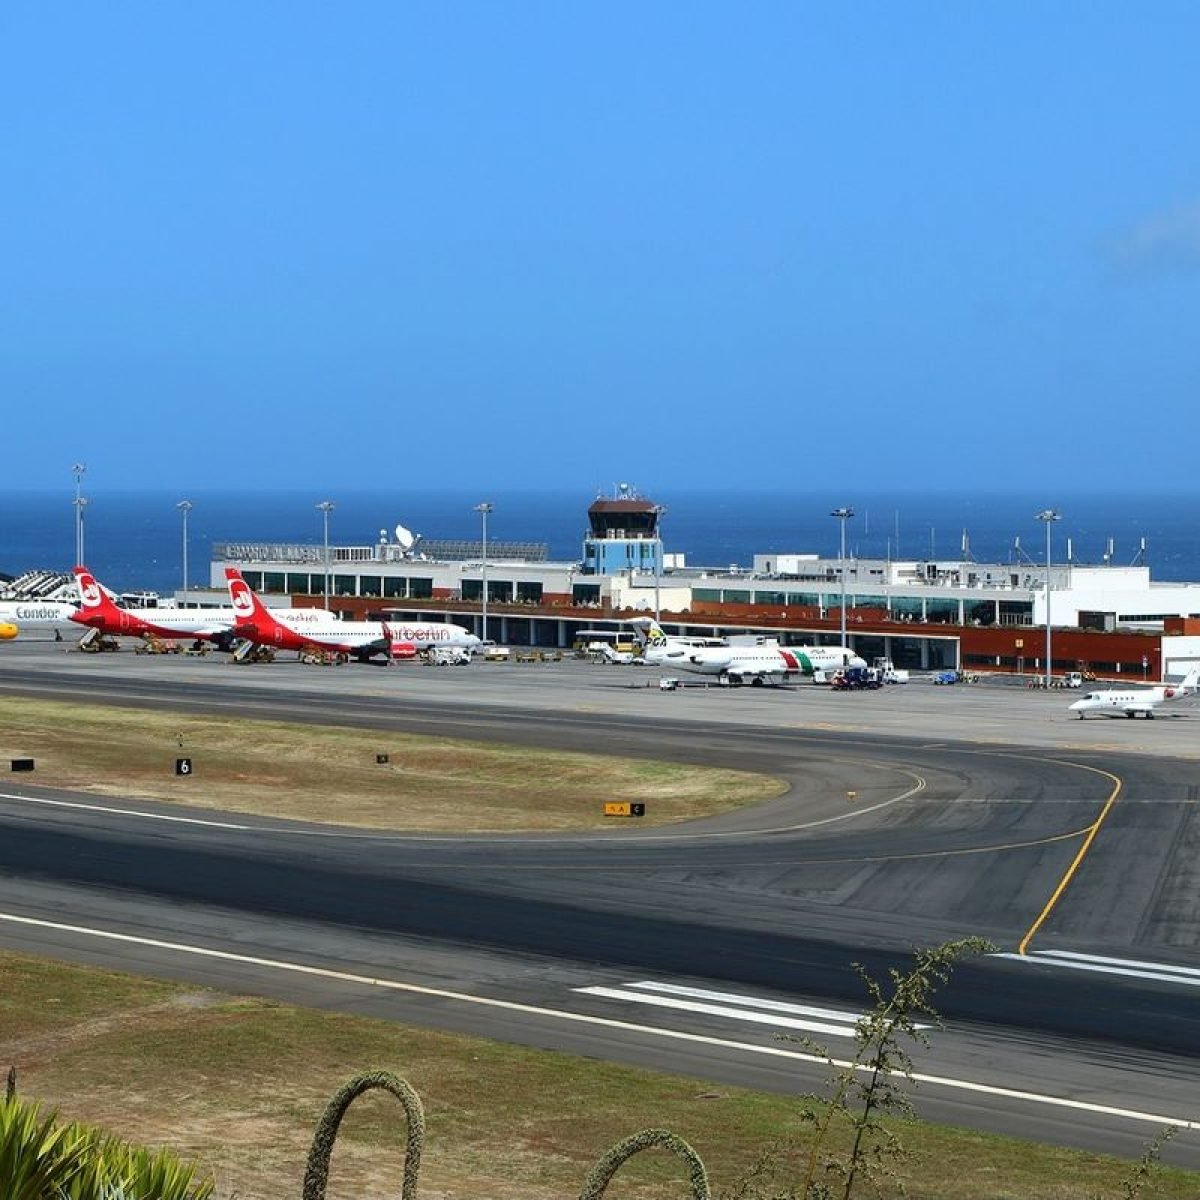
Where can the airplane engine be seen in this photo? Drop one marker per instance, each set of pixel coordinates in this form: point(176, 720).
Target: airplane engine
point(8, 631)
point(404, 650)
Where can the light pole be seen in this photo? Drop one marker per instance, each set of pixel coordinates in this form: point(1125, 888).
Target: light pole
point(483, 508)
point(185, 507)
point(78, 469)
point(1049, 516)
point(843, 515)
point(659, 510)
point(325, 508)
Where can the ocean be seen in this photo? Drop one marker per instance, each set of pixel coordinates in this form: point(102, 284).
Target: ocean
point(134, 540)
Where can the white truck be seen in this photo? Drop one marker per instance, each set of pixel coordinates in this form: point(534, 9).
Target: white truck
point(888, 673)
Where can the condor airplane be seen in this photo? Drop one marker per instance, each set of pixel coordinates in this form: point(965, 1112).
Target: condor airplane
point(1132, 702)
point(16, 613)
point(98, 611)
point(766, 662)
point(300, 628)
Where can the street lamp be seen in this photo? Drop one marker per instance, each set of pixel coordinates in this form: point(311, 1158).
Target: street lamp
point(1049, 516)
point(483, 508)
point(843, 515)
point(185, 507)
point(78, 470)
point(325, 508)
point(659, 511)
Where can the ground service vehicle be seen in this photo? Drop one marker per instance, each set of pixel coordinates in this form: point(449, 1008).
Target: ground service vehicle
point(889, 673)
point(855, 679)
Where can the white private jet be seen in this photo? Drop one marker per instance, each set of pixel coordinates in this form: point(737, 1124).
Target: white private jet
point(766, 662)
point(1132, 702)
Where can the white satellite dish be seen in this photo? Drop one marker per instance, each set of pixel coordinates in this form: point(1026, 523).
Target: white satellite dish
point(405, 538)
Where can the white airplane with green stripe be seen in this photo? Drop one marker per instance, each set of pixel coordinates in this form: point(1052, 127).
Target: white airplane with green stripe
point(767, 661)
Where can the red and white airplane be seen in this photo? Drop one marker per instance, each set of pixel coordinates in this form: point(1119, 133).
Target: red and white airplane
point(98, 610)
point(301, 628)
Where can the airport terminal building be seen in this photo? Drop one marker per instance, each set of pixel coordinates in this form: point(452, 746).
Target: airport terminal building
point(1113, 621)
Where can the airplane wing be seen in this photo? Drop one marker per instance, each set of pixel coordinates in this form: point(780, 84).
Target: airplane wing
point(755, 672)
point(212, 629)
point(1131, 709)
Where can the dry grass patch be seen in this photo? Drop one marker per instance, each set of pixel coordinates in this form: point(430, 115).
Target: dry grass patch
point(240, 1083)
point(330, 774)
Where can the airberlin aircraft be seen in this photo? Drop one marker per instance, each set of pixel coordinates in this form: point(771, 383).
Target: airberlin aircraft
point(98, 611)
point(301, 628)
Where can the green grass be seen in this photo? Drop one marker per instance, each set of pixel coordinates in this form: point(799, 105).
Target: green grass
point(239, 1083)
point(322, 773)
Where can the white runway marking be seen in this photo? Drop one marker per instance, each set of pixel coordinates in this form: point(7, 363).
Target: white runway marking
point(1132, 967)
point(756, 1010)
point(961, 1085)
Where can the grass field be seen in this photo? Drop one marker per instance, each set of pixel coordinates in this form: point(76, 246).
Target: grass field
point(316, 773)
point(239, 1083)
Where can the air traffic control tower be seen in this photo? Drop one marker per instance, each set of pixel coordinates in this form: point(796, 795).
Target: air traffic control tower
point(623, 534)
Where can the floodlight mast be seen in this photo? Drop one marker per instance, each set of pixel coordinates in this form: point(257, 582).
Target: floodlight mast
point(483, 508)
point(843, 515)
point(325, 507)
point(1048, 516)
point(80, 502)
point(185, 507)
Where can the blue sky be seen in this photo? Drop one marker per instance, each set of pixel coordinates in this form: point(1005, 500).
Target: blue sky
point(304, 245)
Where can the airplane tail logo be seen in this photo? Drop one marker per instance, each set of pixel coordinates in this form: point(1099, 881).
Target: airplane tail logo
point(649, 631)
point(91, 595)
point(245, 603)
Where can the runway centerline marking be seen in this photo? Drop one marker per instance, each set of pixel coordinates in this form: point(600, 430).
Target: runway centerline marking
point(962, 1085)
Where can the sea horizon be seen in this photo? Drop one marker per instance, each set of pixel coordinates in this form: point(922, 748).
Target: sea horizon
point(133, 538)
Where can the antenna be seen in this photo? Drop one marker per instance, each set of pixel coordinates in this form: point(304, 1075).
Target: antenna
point(405, 538)
point(1020, 553)
point(1139, 559)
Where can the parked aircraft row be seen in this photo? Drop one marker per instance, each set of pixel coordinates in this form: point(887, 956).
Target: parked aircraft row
point(247, 619)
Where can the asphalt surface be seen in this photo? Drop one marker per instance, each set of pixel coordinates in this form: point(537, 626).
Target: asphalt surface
point(916, 814)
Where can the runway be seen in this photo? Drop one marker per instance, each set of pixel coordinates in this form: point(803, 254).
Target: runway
point(975, 812)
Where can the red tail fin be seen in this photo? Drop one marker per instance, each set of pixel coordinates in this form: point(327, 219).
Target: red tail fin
point(95, 601)
point(248, 609)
